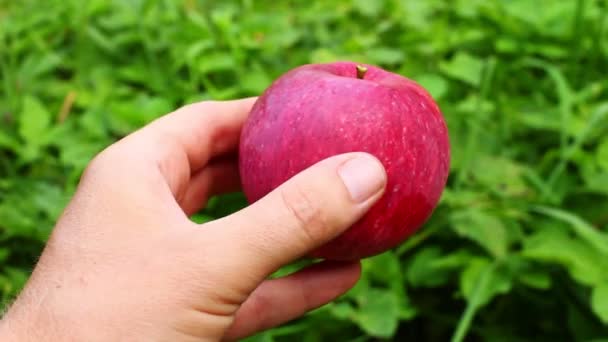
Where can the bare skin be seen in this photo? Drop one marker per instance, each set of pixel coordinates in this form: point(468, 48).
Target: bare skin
point(125, 263)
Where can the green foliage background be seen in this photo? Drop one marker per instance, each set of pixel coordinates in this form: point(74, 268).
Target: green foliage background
point(518, 248)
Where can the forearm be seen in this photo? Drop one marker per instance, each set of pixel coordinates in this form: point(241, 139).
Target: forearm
point(29, 323)
point(9, 331)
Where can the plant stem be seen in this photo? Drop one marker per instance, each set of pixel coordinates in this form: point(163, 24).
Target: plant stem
point(472, 306)
point(361, 70)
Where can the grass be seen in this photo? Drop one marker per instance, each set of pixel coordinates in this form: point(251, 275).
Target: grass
point(515, 251)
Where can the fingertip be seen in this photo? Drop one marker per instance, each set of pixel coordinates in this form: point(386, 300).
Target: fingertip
point(363, 176)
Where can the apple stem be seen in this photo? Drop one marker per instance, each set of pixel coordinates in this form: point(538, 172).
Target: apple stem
point(361, 70)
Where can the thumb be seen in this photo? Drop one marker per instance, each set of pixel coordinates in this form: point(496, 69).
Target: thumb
point(302, 214)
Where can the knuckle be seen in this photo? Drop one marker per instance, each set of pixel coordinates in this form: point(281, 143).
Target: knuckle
point(106, 165)
point(98, 165)
point(305, 212)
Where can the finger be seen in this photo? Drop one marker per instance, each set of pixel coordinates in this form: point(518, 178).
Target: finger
point(300, 215)
point(182, 142)
point(204, 129)
point(217, 178)
point(304, 291)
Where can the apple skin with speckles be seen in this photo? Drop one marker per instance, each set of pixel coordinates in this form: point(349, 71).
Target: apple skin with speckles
point(319, 110)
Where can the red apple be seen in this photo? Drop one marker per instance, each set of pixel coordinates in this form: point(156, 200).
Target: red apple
point(319, 110)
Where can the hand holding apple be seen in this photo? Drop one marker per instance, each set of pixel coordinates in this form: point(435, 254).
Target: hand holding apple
point(125, 263)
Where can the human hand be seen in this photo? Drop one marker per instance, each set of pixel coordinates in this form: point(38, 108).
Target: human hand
point(125, 263)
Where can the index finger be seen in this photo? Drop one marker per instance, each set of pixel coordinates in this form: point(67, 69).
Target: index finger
point(200, 131)
point(182, 142)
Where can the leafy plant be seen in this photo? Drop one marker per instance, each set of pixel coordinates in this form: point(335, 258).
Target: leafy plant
point(517, 248)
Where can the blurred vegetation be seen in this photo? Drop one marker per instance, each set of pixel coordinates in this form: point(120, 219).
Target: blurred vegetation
point(518, 248)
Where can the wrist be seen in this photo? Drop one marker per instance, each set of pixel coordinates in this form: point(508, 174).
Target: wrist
point(27, 320)
point(12, 329)
point(8, 331)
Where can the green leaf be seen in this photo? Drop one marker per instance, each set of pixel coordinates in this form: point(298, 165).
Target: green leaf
point(101, 39)
point(127, 116)
point(546, 19)
point(369, 8)
point(434, 84)
point(201, 218)
point(597, 182)
point(8, 142)
point(79, 155)
point(524, 10)
point(342, 310)
point(323, 55)
point(464, 67)
point(554, 245)
point(602, 155)
point(482, 280)
point(469, 8)
point(47, 198)
point(4, 254)
point(215, 62)
point(226, 204)
point(422, 271)
point(473, 104)
point(528, 273)
point(538, 280)
point(502, 175)
point(378, 313)
point(37, 66)
point(484, 228)
point(384, 268)
point(255, 80)
point(599, 301)
point(539, 118)
point(292, 268)
point(34, 121)
point(385, 55)
point(583, 229)
point(417, 13)
point(12, 281)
